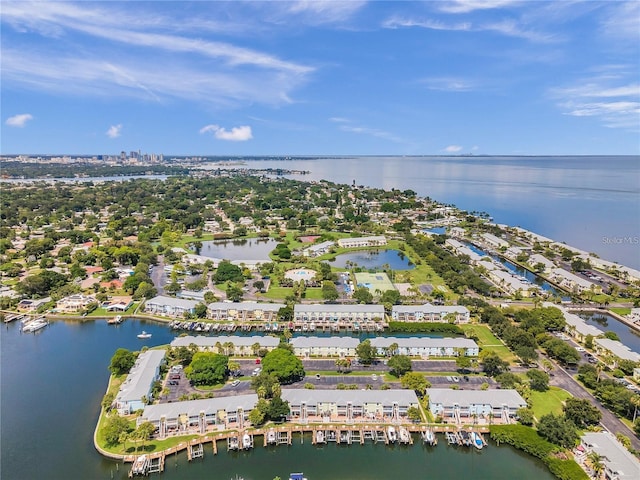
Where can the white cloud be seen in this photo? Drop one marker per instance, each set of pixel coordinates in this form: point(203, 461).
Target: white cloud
point(622, 21)
point(612, 97)
point(466, 6)
point(114, 131)
point(449, 84)
point(19, 120)
point(453, 148)
point(323, 11)
point(236, 134)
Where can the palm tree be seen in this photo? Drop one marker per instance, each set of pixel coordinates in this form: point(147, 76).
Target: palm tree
point(595, 459)
point(255, 348)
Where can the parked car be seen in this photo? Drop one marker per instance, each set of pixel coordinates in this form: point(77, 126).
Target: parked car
point(235, 383)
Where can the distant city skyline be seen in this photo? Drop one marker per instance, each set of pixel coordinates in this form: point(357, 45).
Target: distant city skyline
point(482, 77)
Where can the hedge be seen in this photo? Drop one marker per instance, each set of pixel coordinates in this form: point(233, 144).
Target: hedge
point(425, 327)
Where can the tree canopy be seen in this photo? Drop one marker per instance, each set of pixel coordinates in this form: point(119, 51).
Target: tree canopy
point(207, 368)
point(283, 364)
point(399, 365)
point(122, 361)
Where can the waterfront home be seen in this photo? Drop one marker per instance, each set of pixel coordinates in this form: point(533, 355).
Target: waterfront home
point(244, 312)
point(323, 314)
point(426, 347)
point(119, 304)
point(514, 252)
point(616, 350)
point(493, 241)
point(532, 236)
point(230, 344)
point(430, 313)
point(359, 242)
point(169, 306)
point(318, 249)
point(324, 346)
point(30, 305)
point(74, 303)
point(620, 271)
point(466, 406)
point(349, 405)
point(199, 416)
point(457, 232)
point(618, 462)
point(139, 382)
point(573, 282)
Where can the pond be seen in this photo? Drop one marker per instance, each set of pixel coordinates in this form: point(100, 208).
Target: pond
point(256, 249)
point(374, 259)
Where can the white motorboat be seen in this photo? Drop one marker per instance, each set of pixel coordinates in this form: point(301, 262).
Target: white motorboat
point(140, 465)
point(247, 442)
point(391, 434)
point(144, 335)
point(271, 437)
point(35, 325)
point(405, 436)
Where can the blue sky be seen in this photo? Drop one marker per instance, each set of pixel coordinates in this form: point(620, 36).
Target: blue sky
point(327, 78)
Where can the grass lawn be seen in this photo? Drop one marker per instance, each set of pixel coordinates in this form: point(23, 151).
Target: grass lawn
point(279, 293)
point(621, 310)
point(101, 312)
point(549, 401)
point(488, 341)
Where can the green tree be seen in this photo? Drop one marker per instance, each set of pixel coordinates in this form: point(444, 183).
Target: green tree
point(413, 414)
point(493, 365)
point(363, 295)
point(122, 361)
point(525, 416)
point(463, 363)
point(558, 429)
point(227, 271)
point(234, 292)
point(144, 432)
point(415, 381)
point(329, 291)
point(538, 380)
point(399, 365)
point(207, 368)
point(114, 427)
point(278, 408)
point(283, 365)
point(256, 417)
point(581, 412)
point(366, 352)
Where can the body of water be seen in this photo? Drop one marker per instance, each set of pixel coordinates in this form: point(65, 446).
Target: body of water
point(374, 259)
point(607, 323)
point(590, 202)
point(53, 383)
point(245, 249)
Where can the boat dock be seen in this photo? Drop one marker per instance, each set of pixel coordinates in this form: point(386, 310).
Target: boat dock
point(320, 434)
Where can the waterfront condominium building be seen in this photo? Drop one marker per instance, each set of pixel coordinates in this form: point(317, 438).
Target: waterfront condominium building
point(430, 313)
point(373, 241)
point(619, 463)
point(426, 347)
point(229, 344)
point(170, 306)
point(320, 313)
point(349, 405)
point(481, 406)
point(244, 312)
point(199, 416)
point(139, 382)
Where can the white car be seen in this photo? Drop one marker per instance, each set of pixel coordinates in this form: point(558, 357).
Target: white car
point(580, 349)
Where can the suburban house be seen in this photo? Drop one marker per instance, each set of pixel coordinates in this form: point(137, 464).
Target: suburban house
point(619, 463)
point(467, 406)
point(426, 347)
point(430, 313)
point(236, 344)
point(373, 241)
point(170, 306)
point(324, 346)
point(320, 313)
point(245, 311)
point(349, 405)
point(119, 304)
point(199, 416)
point(29, 305)
point(139, 382)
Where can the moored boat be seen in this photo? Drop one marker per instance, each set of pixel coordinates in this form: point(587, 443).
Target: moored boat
point(391, 434)
point(476, 439)
point(35, 325)
point(247, 441)
point(140, 465)
point(144, 335)
point(115, 320)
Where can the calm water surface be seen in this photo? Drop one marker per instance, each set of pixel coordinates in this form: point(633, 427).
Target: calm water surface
point(53, 382)
point(374, 259)
point(606, 323)
point(246, 249)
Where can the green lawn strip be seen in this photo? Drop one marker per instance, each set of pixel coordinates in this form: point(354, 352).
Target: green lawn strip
point(277, 293)
point(549, 401)
point(621, 310)
point(101, 312)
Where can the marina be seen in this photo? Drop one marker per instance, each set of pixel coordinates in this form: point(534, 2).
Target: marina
point(320, 435)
